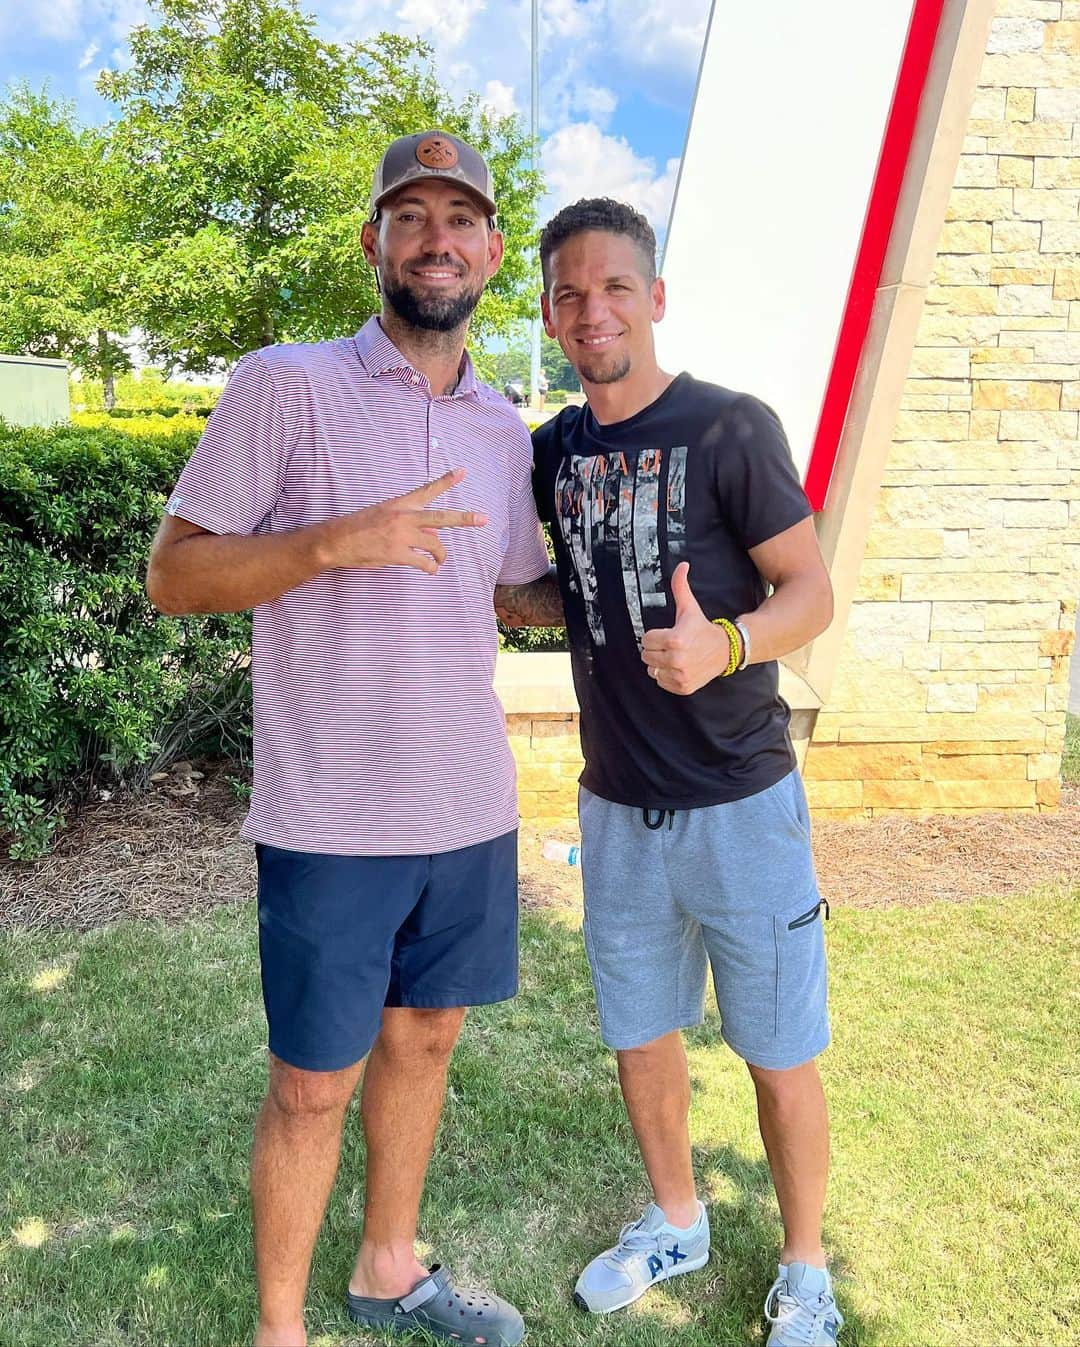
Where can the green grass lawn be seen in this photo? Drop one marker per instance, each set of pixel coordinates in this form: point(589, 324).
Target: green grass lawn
point(131, 1064)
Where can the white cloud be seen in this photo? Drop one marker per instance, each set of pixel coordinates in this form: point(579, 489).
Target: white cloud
point(580, 160)
point(500, 98)
point(445, 25)
point(88, 55)
point(668, 38)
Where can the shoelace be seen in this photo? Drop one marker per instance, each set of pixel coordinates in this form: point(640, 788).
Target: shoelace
point(631, 1243)
point(800, 1318)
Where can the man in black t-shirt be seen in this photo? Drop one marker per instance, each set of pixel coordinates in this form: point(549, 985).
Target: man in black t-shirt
point(674, 504)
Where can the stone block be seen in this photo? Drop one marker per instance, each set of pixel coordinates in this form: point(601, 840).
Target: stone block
point(1067, 283)
point(1019, 104)
point(963, 269)
point(988, 105)
point(976, 767)
point(1031, 275)
point(1029, 203)
point(1060, 236)
point(1056, 643)
point(963, 236)
point(973, 794)
point(952, 507)
point(948, 617)
point(1057, 173)
point(977, 170)
point(939, 363)
point(998, 355)
point(1006, 697)
point(831, 762)
point(937, 328)
point(878, 587)
point(1015, 171)
point(964, 586)
point(834, 794)
point(1033, 70)
point(1062, 37)
point(1043, 766)
point(1026, 301)
point(534, 776)
point(988, 655)
point(1038, 426)
point(1014, 236)
point(1058, 348)
point(557, 749)
point(1048, 792)
point(554, 726)
point(904, 542)
point(1019, 616)
point(962, 300)
point(952, 697)
point(1009, 35)
point(932, 426)
point(1016, 395)
point(985, 204)
point(1057, 105)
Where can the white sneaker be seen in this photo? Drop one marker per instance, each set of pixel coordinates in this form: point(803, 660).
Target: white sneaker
point(801, 1308)
point(649, 1251)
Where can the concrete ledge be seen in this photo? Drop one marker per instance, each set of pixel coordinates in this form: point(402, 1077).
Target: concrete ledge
point(533, 684)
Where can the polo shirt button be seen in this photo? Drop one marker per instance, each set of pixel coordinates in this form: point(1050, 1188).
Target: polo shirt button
point(434, 444)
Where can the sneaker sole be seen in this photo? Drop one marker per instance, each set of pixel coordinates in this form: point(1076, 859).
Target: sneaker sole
point(694, 1265)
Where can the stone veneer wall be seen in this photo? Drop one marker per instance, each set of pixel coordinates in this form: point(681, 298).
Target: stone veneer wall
point(951, 690)
point(548, 754)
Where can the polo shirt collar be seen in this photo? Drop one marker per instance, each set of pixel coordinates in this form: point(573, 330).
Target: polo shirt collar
point(379, 355)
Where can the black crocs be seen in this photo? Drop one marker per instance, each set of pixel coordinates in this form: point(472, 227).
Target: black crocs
point(435, 1306)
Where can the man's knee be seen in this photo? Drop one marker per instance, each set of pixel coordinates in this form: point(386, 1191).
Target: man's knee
point(309, 1096)
point(420, 1034)
point(788, 1083)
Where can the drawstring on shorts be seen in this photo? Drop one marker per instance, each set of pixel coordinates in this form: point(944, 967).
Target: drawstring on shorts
point(647, 819)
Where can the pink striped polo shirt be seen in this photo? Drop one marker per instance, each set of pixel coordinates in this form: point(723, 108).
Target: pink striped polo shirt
point(377, 727)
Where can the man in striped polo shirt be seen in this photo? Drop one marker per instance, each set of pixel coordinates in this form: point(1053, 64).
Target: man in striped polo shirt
point(370, 499)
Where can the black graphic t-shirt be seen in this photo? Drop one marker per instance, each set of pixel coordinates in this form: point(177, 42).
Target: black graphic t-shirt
point(700, 475)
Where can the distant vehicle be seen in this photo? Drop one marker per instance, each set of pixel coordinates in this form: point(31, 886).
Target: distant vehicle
point(514, 391)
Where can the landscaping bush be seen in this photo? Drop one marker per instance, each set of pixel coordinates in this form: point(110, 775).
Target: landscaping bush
point(97, 689)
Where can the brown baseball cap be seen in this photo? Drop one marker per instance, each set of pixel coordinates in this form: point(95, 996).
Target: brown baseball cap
point(432, 154)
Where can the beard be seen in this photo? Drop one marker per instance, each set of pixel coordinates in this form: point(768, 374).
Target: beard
point(609, 373)
point(429, 312)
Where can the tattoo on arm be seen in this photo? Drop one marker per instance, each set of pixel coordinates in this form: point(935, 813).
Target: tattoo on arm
point(537, 604)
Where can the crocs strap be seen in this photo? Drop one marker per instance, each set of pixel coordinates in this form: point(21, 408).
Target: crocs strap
point(423, 1291)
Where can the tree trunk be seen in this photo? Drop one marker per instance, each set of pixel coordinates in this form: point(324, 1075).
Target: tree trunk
point(108, 385)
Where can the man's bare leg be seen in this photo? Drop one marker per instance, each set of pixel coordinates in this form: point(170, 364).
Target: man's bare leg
point(794, 1123)
point(655, 1083)
point(293, 1163)
point(404, 1087)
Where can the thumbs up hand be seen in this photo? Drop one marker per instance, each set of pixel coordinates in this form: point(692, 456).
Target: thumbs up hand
point(693, 652)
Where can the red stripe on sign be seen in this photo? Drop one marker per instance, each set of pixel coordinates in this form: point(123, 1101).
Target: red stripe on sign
point(877, 228)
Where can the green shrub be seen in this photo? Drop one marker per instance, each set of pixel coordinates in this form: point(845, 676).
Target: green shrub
point(97, 689)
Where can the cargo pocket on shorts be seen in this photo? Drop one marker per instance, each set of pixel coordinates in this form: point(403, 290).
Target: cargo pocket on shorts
point(800, 966)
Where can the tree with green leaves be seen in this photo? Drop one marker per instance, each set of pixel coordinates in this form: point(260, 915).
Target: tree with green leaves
point(66, 268)
point(251, 143)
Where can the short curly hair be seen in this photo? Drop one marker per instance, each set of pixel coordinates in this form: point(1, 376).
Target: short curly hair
point(603, 214)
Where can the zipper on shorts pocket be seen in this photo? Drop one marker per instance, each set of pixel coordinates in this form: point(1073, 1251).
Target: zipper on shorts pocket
point(808, 917)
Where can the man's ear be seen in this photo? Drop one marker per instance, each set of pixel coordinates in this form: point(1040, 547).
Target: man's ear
point(369, 237)
point(659, 299)
point(545, 314)
point(495, 251)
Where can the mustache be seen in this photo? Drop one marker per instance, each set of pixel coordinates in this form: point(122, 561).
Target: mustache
point(441, 260)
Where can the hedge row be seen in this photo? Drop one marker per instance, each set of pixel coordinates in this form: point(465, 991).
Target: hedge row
point(95, 687)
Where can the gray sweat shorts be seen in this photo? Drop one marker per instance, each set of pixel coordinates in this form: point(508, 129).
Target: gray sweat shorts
point(730, 885)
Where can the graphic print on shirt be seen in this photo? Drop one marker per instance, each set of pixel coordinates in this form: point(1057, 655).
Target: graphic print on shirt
point(612, 503)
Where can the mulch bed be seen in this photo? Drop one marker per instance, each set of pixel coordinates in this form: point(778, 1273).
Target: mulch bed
point(176, 851)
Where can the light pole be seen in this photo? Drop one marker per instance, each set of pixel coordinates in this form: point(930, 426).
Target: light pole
point(534, 356)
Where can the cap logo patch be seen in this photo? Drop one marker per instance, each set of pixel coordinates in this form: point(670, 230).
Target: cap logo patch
point(437, 152)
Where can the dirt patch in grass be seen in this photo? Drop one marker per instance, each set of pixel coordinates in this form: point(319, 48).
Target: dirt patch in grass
point(177, 851)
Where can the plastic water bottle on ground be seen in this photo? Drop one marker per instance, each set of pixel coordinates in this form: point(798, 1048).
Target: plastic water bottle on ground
point(554, 850)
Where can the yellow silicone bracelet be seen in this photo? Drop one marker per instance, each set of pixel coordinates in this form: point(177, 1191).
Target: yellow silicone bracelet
point(734, 645)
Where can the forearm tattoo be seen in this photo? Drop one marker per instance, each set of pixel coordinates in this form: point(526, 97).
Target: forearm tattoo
point(537, 604)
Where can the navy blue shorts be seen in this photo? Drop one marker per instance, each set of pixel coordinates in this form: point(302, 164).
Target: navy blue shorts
point(340, 937)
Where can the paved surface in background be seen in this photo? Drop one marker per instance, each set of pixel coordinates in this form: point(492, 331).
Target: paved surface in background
point(1074, 674)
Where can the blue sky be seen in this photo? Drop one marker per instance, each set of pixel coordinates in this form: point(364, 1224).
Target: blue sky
point(617, 76)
